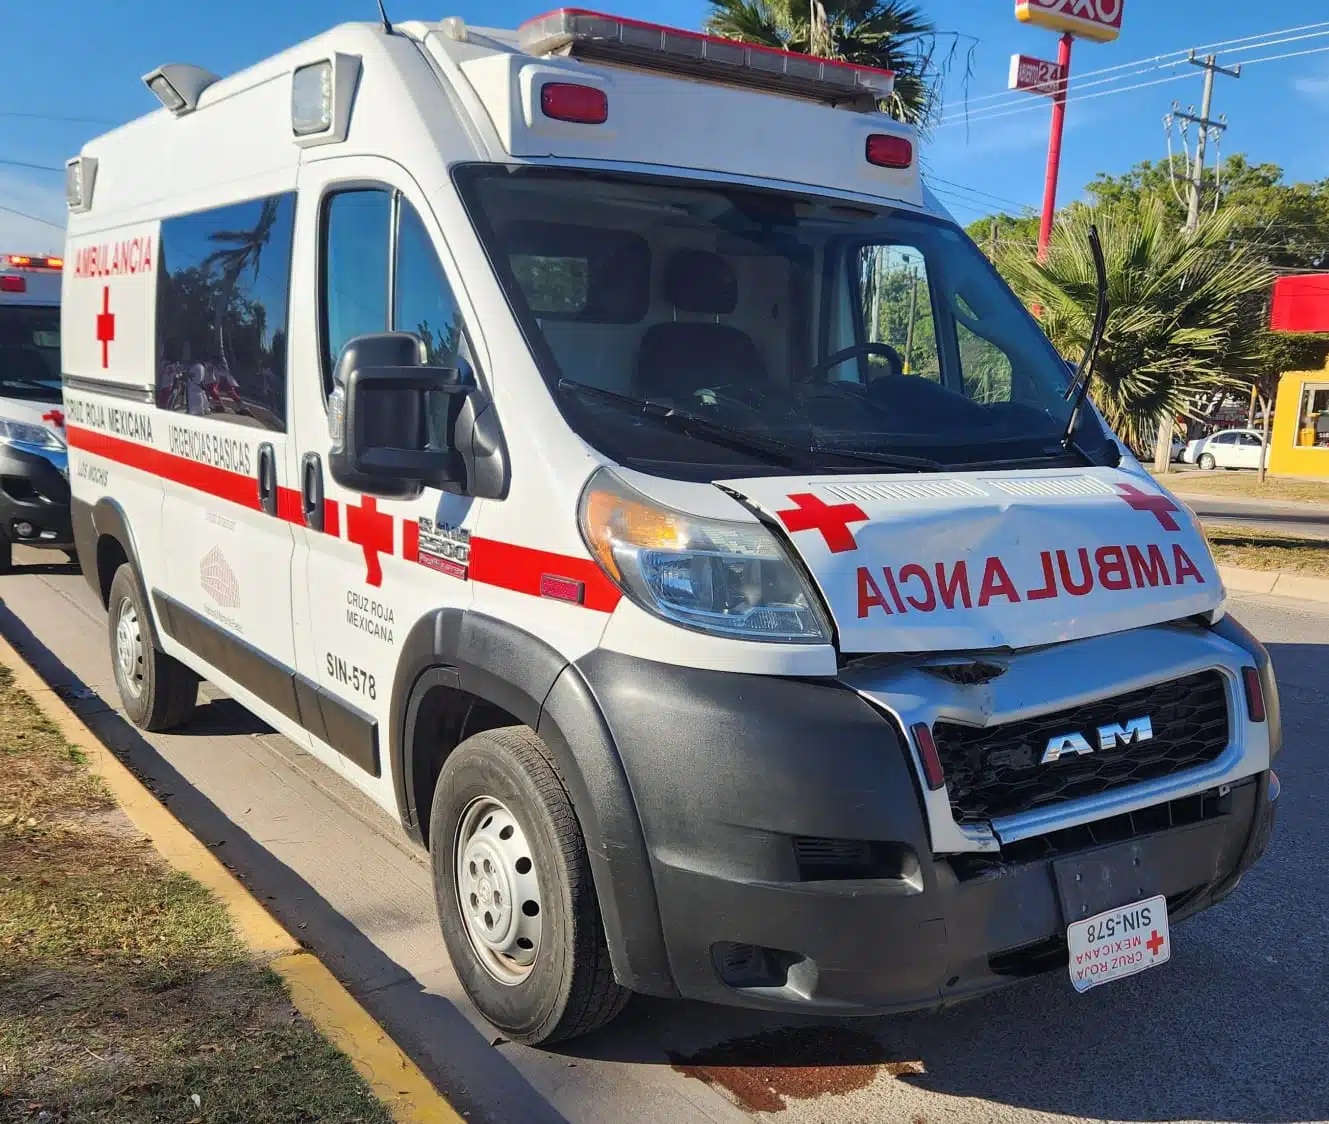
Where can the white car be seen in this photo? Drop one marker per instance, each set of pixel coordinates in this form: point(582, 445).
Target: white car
point(1228, 448)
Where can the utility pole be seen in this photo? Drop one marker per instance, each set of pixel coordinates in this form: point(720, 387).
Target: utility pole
point(1195, 182)
point(1206, 125)
point(1054, 145)
point(913, 311)
point(992, 240)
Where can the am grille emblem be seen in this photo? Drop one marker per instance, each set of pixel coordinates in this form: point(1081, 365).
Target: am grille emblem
point(1109, 737)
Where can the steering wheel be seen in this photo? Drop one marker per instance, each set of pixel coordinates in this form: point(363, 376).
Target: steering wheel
point(845, 354)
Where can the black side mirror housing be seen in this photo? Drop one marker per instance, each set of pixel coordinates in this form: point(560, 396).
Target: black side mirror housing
point(400, 425)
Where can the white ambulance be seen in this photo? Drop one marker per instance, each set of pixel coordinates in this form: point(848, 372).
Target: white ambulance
point(34, 464)
point(595, 443)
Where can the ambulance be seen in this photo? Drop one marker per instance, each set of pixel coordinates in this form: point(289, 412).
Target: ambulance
point(595, 443)
point(34, 464)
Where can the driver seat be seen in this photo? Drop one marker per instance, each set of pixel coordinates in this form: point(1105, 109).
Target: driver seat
point(678, 358)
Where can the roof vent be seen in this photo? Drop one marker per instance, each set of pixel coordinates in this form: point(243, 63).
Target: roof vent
point(178, 85)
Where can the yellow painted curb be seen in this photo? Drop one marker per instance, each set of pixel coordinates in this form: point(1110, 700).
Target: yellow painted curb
point(316, 993)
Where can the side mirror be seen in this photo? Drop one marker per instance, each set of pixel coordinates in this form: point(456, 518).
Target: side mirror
point(399, 425)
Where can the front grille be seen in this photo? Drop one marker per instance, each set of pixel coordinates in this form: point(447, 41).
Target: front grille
point(996, 771)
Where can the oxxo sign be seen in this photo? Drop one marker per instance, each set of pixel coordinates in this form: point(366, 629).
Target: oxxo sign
point(1090, 19)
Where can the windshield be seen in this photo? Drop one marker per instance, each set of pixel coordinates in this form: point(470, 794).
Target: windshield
point(30, 352)
point(829, 327)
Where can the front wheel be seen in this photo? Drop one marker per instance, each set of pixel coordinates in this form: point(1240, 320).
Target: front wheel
point(157, 692)
point(513, 888)
point(1207, 462)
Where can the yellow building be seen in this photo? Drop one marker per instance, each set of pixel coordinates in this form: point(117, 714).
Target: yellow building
point(1299, 441)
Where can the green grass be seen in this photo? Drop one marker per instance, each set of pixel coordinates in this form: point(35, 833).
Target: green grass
point(1266, 550)
point(125, 996)
point(1246, 486)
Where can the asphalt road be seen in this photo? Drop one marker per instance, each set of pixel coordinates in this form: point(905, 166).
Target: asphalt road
point(1297, 519)
point(1233, 1029)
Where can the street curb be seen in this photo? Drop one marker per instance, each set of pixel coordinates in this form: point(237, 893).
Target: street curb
point(315, 992)
point(1281, 582)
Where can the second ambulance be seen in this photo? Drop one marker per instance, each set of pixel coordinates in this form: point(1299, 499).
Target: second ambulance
point(594, 442)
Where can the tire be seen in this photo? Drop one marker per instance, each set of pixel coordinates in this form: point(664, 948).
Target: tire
point(1207, 462)
point(158, 692)
point(498, 797)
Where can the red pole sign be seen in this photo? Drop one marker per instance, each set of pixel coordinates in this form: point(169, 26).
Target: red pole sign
point(1054, 145)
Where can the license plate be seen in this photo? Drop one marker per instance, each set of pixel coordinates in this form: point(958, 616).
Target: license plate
point(1118, 943)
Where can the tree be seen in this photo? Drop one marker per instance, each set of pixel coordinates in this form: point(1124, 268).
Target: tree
point(1180, 305)
point(889, 34)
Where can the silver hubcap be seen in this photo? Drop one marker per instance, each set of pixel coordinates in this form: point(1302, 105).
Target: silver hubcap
point(129, 649)
point(497, 890)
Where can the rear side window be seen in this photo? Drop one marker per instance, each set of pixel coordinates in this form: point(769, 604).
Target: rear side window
point(223, 290)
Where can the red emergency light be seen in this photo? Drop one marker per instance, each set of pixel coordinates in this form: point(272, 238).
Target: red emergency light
point(570, 101)
point(10, 283)
point(594, 36)
point(888, 151)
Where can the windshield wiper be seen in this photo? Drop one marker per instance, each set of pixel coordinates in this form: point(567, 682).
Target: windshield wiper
point(1079, 388)
point(768, 448)
point(886, 460)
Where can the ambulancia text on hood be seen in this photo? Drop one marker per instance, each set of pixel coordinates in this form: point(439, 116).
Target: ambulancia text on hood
point(991, 559)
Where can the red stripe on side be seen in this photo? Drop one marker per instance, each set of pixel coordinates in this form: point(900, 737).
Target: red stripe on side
point(290, 506)
point(219, 482)
point(521, 568)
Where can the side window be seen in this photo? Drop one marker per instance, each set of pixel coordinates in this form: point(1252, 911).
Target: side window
point(423, 301)
point(985, 368)
point(223, 287)
point(897, 311)
point(1225, 439)
point(356, 239)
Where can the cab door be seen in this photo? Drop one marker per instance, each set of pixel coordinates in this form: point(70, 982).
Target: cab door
point(370, 566)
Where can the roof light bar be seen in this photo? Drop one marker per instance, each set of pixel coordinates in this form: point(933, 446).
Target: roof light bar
point(35, 261)
point(611, 39)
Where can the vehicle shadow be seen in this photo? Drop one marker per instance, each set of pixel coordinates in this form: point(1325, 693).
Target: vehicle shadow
point(46, 569)
point(430, 1028)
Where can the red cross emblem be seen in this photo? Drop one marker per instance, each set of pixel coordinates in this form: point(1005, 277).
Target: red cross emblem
point(371, 530)
point(1157, 504)
point(811, 514)
point(56, 418)
point(1154, 943)
point(106, 326)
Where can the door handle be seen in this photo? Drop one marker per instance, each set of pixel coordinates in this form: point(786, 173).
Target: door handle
point(267, 479)
point(311, 491)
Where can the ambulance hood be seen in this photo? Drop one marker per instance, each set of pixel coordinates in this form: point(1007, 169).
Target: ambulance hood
point(913, 563)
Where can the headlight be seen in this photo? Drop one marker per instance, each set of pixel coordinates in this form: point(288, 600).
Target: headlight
point(33, 436)
point(731, 579)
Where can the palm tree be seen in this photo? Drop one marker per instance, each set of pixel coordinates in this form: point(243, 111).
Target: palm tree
point(244, 251)
point(1180, 323)
point(890, 34)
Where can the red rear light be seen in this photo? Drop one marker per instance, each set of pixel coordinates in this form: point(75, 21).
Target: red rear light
point(568, 101)
point(13, 285)
point(1254, 694)
point(927, 753)
point(887, 151)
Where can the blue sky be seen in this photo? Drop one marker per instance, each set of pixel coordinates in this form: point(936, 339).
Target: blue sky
point(80, 59)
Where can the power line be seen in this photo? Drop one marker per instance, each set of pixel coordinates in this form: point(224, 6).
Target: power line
point(58, 117)
point(1155, 62)
point(32, 218)
point(34, 167)
point(1136, 86)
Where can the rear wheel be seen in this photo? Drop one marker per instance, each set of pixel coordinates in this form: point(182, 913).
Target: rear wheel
point(512, 884)
point(158, 692)
point(1207, 462)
